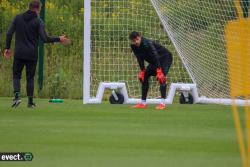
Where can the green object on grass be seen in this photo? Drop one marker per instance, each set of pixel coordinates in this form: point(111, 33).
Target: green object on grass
point(56, 100)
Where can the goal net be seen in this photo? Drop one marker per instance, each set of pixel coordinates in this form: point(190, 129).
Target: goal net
point(111, 59)
point(194, 31)
point(196, 28)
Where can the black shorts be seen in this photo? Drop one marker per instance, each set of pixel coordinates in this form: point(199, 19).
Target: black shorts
point(151, 69)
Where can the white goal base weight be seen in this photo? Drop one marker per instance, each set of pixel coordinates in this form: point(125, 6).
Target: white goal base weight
point(191, 88)
point(121, 88)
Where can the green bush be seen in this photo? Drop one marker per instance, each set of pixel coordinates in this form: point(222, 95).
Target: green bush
point(62, 65)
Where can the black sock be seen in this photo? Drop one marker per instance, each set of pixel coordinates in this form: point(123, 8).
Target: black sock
point(163, 89)
point(17, 95)
point(145, 87)
point(30, 100)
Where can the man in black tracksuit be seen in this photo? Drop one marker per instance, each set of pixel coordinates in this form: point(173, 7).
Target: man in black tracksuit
point(159, 59)
point(28, 28)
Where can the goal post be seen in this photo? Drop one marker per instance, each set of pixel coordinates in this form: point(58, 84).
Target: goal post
point(195, 29)
point(86, 51)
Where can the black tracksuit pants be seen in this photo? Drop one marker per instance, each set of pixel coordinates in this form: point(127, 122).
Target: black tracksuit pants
point(18, 66)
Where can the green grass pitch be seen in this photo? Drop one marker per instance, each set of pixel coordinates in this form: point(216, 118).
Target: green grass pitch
point(76, 135)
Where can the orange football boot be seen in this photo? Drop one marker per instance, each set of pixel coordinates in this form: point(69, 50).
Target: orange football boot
point(140, 105)
point(160, 107)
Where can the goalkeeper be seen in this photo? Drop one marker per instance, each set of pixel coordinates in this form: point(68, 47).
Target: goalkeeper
point(159, 59)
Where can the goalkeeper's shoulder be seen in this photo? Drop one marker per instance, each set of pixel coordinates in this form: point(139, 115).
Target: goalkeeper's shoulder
point(133, 47)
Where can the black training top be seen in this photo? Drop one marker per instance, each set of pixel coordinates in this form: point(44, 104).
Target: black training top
point(28, 28)
point(152, 52)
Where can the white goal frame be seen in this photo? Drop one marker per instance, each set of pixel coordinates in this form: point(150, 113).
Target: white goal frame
point(121, 87)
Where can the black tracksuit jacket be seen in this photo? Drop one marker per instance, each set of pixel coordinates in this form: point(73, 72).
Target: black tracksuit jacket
point(28, 28)
point(152, 52)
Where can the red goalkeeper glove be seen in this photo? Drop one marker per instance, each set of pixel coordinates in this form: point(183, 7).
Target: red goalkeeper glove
point(160, 76)
point(141, 75)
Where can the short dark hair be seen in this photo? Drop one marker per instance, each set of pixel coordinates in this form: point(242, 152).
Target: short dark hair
point(134, 35)
point(34, 4)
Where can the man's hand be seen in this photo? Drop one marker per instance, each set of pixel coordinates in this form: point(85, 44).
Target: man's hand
point(7, 53)
point(141, 75)
point(160, 76)
point(64, 40)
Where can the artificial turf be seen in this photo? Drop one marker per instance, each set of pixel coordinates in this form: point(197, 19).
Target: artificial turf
point(72, 134)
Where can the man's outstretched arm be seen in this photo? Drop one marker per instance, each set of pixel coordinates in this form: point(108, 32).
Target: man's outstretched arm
point(44, 36)
point(10, 33)
point(12, 29)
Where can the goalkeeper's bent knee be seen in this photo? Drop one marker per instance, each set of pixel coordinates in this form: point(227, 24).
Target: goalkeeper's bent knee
point(163, 85)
